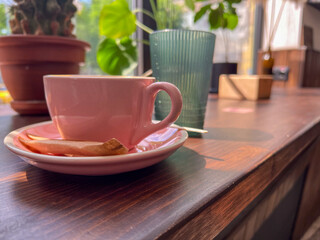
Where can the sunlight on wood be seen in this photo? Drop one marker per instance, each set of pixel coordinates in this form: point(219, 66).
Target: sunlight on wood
point(19, 177)
point(232, 161)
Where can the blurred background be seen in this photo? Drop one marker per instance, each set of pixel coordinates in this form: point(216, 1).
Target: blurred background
point(296, 28)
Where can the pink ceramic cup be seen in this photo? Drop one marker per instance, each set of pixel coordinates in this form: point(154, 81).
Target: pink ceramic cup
point(98, 108)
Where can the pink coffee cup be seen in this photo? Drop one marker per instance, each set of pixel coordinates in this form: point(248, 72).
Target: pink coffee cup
point(98, 108)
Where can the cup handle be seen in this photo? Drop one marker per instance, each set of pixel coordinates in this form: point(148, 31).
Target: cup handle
point(146, 127)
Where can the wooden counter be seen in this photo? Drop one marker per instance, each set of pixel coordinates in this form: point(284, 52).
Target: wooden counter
point(253, 176)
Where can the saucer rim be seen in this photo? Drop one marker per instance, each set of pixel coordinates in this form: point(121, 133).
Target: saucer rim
point(64, 160)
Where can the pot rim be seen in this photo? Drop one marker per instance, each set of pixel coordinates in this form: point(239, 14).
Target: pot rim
point(22, 39)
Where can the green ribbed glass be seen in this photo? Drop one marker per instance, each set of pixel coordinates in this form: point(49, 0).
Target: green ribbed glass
point(184, 58)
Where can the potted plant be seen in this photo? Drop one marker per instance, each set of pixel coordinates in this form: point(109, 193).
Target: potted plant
point(41, 43)
point(221, 15)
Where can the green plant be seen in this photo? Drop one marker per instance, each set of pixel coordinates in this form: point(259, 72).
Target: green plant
point(3, 25)
point(220, 15)
point(42, 17)
point(117, 53)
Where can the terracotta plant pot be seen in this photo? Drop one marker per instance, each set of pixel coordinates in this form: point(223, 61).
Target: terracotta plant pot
point(24, 59)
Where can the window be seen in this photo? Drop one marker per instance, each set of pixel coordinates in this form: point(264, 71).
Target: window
point(87, 29)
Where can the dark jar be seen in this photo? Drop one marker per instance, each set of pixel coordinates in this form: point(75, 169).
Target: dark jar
point(267, 62)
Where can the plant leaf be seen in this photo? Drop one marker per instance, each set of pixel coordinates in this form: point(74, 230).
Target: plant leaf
point(221, 7)
point(201, 12)
point(233, 1)
point(232, 20)
point(224, 22)
point(222, 12)
point(215, 19)
point(117, 57)
point(116, 20)
point(190, 4)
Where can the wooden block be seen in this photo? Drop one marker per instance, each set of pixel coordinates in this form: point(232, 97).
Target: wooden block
point(249, 87)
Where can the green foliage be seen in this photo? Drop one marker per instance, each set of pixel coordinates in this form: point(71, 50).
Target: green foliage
point(117, 57)
point(3, 20)
point(190, 4)
point(42, 17)
point(221, 14)
point(117, 53)
point(116, 20)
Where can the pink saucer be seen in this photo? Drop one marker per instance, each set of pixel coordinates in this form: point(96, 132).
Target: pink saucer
point(153, 149)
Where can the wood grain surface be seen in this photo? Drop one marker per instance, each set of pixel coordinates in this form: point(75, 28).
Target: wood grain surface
point(310, 208)
point(272, 199)
point(194, 194)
